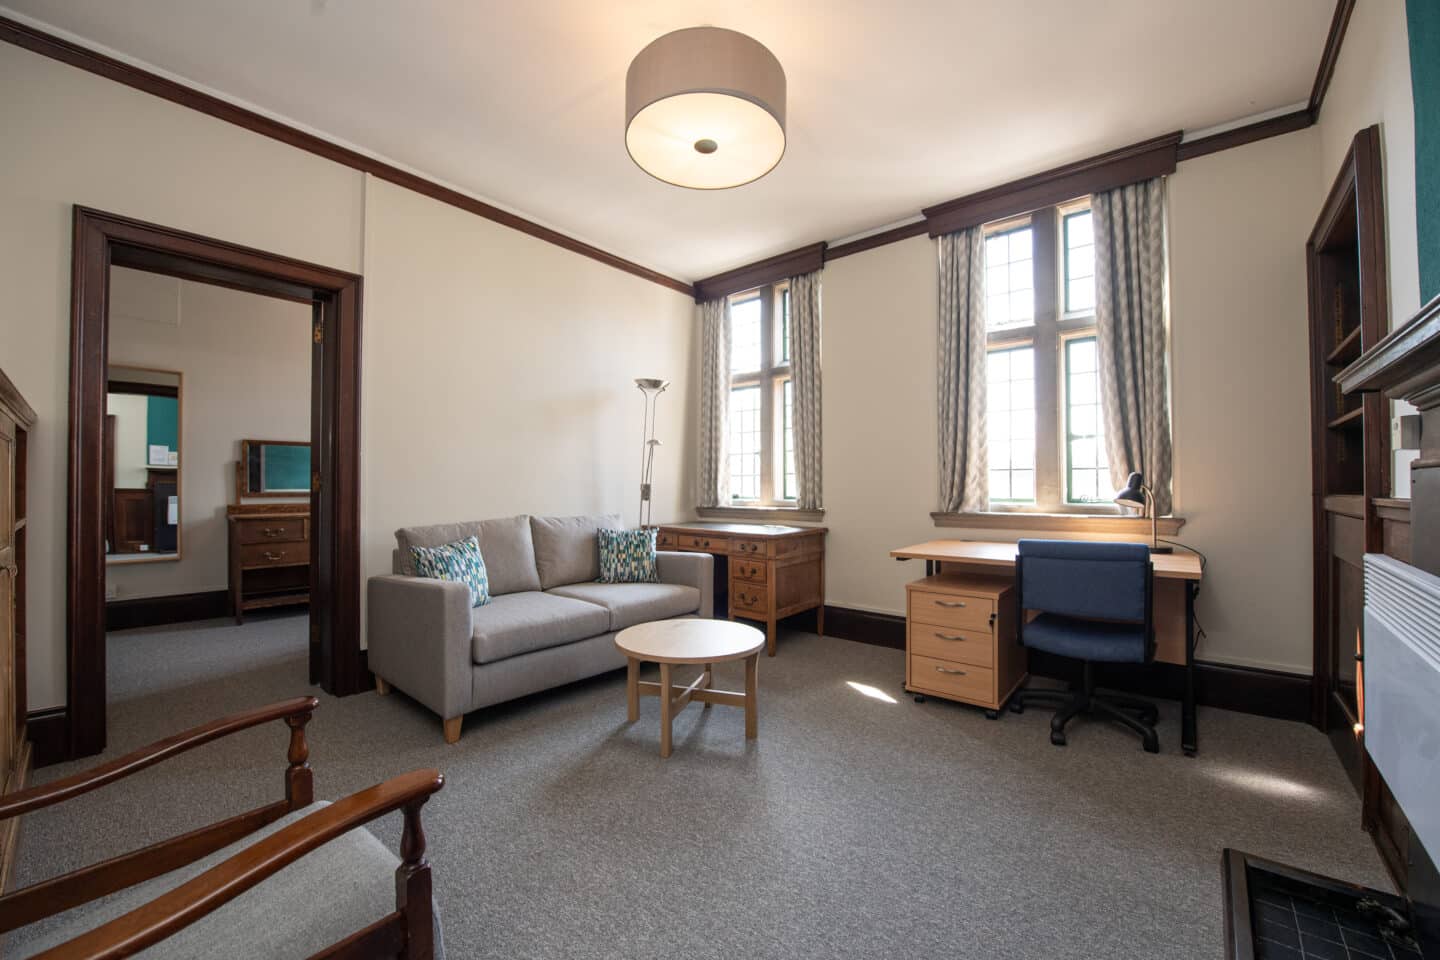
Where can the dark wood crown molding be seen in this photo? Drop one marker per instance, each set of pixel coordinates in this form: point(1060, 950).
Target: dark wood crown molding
point(1249, 133)
point(1105, 171)
point(56, 48)
point(903, 232)
point(793, 263)
point(1339, 23)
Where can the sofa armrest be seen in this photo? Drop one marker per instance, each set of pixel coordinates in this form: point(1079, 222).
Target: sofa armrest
point(419, 639)
point(693, 570)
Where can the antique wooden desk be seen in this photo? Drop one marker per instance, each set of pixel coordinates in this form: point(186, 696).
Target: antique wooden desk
point(1177, 580)
point(769, 571)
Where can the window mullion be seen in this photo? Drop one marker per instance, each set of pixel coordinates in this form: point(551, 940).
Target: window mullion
point(767, 395)
point(1049, 485)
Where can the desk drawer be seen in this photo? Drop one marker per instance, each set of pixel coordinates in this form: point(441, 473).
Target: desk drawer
point(711, 544)
point(750, 548)
point(756, 571)
point(274, 554)
point(951, 610)
point(974, 647)
point(749, 597)
point(271, 530)
point(665, 541)
point(962, 681)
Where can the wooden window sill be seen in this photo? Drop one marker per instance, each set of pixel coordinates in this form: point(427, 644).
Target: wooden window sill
point(1058, 522)
point(768, 514)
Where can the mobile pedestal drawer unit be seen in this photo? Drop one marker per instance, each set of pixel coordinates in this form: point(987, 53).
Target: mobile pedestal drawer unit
point(960, 640)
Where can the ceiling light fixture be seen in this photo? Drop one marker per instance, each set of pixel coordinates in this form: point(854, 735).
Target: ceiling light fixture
point(705, 109)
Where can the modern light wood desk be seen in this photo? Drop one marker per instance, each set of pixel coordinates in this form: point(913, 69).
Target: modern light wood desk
point(1177, 580)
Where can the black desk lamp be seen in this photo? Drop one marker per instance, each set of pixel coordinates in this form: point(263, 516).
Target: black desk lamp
point(1136, 494)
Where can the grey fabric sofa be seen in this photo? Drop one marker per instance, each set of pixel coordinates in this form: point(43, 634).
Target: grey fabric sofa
point(548, 622)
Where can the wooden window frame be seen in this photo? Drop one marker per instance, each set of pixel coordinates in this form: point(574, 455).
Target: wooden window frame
point(774, 373)
point(1047, 334)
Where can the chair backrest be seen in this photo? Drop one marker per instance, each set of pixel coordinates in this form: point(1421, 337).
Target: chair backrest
point(1076, 578)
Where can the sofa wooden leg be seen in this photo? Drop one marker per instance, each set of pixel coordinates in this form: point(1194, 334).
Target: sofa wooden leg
point(382, 686)
point(452, 729)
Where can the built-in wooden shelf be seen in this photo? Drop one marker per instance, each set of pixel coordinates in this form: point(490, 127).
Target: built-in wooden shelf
point(1353, 420)
point(1346, 350)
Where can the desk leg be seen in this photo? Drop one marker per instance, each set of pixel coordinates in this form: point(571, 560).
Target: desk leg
point(1188, 732)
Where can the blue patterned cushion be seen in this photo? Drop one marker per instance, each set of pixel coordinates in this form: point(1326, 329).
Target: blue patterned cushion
point(627, 556)
point(459, 561)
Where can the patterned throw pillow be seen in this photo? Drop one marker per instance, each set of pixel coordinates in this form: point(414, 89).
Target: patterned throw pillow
point(627, 556)
point(460, 562)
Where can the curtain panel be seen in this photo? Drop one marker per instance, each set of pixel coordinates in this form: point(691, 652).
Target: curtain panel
point(964, 480)
point(805, 386)
point(714, 473)
point(1131, 307)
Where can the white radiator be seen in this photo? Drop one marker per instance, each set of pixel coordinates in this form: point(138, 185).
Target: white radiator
point(1402, 688)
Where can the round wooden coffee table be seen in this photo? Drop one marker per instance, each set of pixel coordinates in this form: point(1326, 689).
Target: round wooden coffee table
point(707, 642)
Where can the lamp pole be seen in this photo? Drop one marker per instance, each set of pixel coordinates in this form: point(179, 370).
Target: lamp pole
point(650, 388)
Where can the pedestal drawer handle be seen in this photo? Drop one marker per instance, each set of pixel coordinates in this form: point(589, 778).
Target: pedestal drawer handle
point(273, 531)
point(274, 556)
point(949, 603)
point(958, 673)
point(948, 636)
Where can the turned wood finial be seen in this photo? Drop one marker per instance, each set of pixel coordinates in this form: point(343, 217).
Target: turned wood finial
point(412, 838)
point(299, 782)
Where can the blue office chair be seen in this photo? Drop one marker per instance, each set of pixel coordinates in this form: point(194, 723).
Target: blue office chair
point(1094, 604)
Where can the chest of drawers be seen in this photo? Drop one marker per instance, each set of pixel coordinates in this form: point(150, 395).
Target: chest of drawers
point(960, 640)
point(269, 557)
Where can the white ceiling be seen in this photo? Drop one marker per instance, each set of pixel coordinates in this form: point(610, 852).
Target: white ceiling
point(892, 106)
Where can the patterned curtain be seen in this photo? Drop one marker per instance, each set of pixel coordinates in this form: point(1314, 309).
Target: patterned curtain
point(964, 480)
point(1131, 321)
point(805, 384)
point(714, 478)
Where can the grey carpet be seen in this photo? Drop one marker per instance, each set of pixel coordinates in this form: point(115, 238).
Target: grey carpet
point(852, 828)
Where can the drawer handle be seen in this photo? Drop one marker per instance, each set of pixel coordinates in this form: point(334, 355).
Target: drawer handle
point(706, 543)
point(273, 531)
point(958, 673)
point(948, 636)
point(949, 603)
point(274, 556)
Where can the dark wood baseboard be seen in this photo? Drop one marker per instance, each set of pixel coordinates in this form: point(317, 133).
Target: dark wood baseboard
point(49, 733)
point(155, 611)
point(1265, 693)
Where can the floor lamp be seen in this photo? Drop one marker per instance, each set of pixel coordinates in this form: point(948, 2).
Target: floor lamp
point(651, 388)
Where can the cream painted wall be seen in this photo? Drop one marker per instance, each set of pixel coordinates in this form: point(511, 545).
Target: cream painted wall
point(245, 361)
point(74, 138)
point(1239, 220)
point(1372, 85)
point(499, 376)
point(497, 372)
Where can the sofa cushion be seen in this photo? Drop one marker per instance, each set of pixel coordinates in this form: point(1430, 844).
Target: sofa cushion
point(630, 603)
point(459, 562)
point(521, 622)
point(566, 550)
point(627, 556)
point(506, 545)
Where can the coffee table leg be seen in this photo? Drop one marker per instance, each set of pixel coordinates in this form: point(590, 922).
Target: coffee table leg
point(709, 682)
point(667, 710)
point(632, 689)
point(752, 667)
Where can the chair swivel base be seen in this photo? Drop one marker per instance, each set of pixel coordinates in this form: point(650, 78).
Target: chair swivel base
point(1139, 716)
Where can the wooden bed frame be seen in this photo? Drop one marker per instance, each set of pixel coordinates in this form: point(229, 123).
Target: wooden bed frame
point(406, 933)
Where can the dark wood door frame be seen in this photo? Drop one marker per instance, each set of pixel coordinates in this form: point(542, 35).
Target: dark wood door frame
point(102, 240)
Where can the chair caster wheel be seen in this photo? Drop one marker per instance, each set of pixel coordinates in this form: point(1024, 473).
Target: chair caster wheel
point(1016, 706)
point(919, 698)
point(1152, 745)
point(992, 714)
point(1057, 738)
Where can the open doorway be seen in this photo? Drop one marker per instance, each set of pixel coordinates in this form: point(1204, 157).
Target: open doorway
point(111, 368)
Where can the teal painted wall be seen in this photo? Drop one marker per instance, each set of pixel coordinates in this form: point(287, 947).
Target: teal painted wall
point(1424, 18)
point(286, 468)
point(162, 423)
